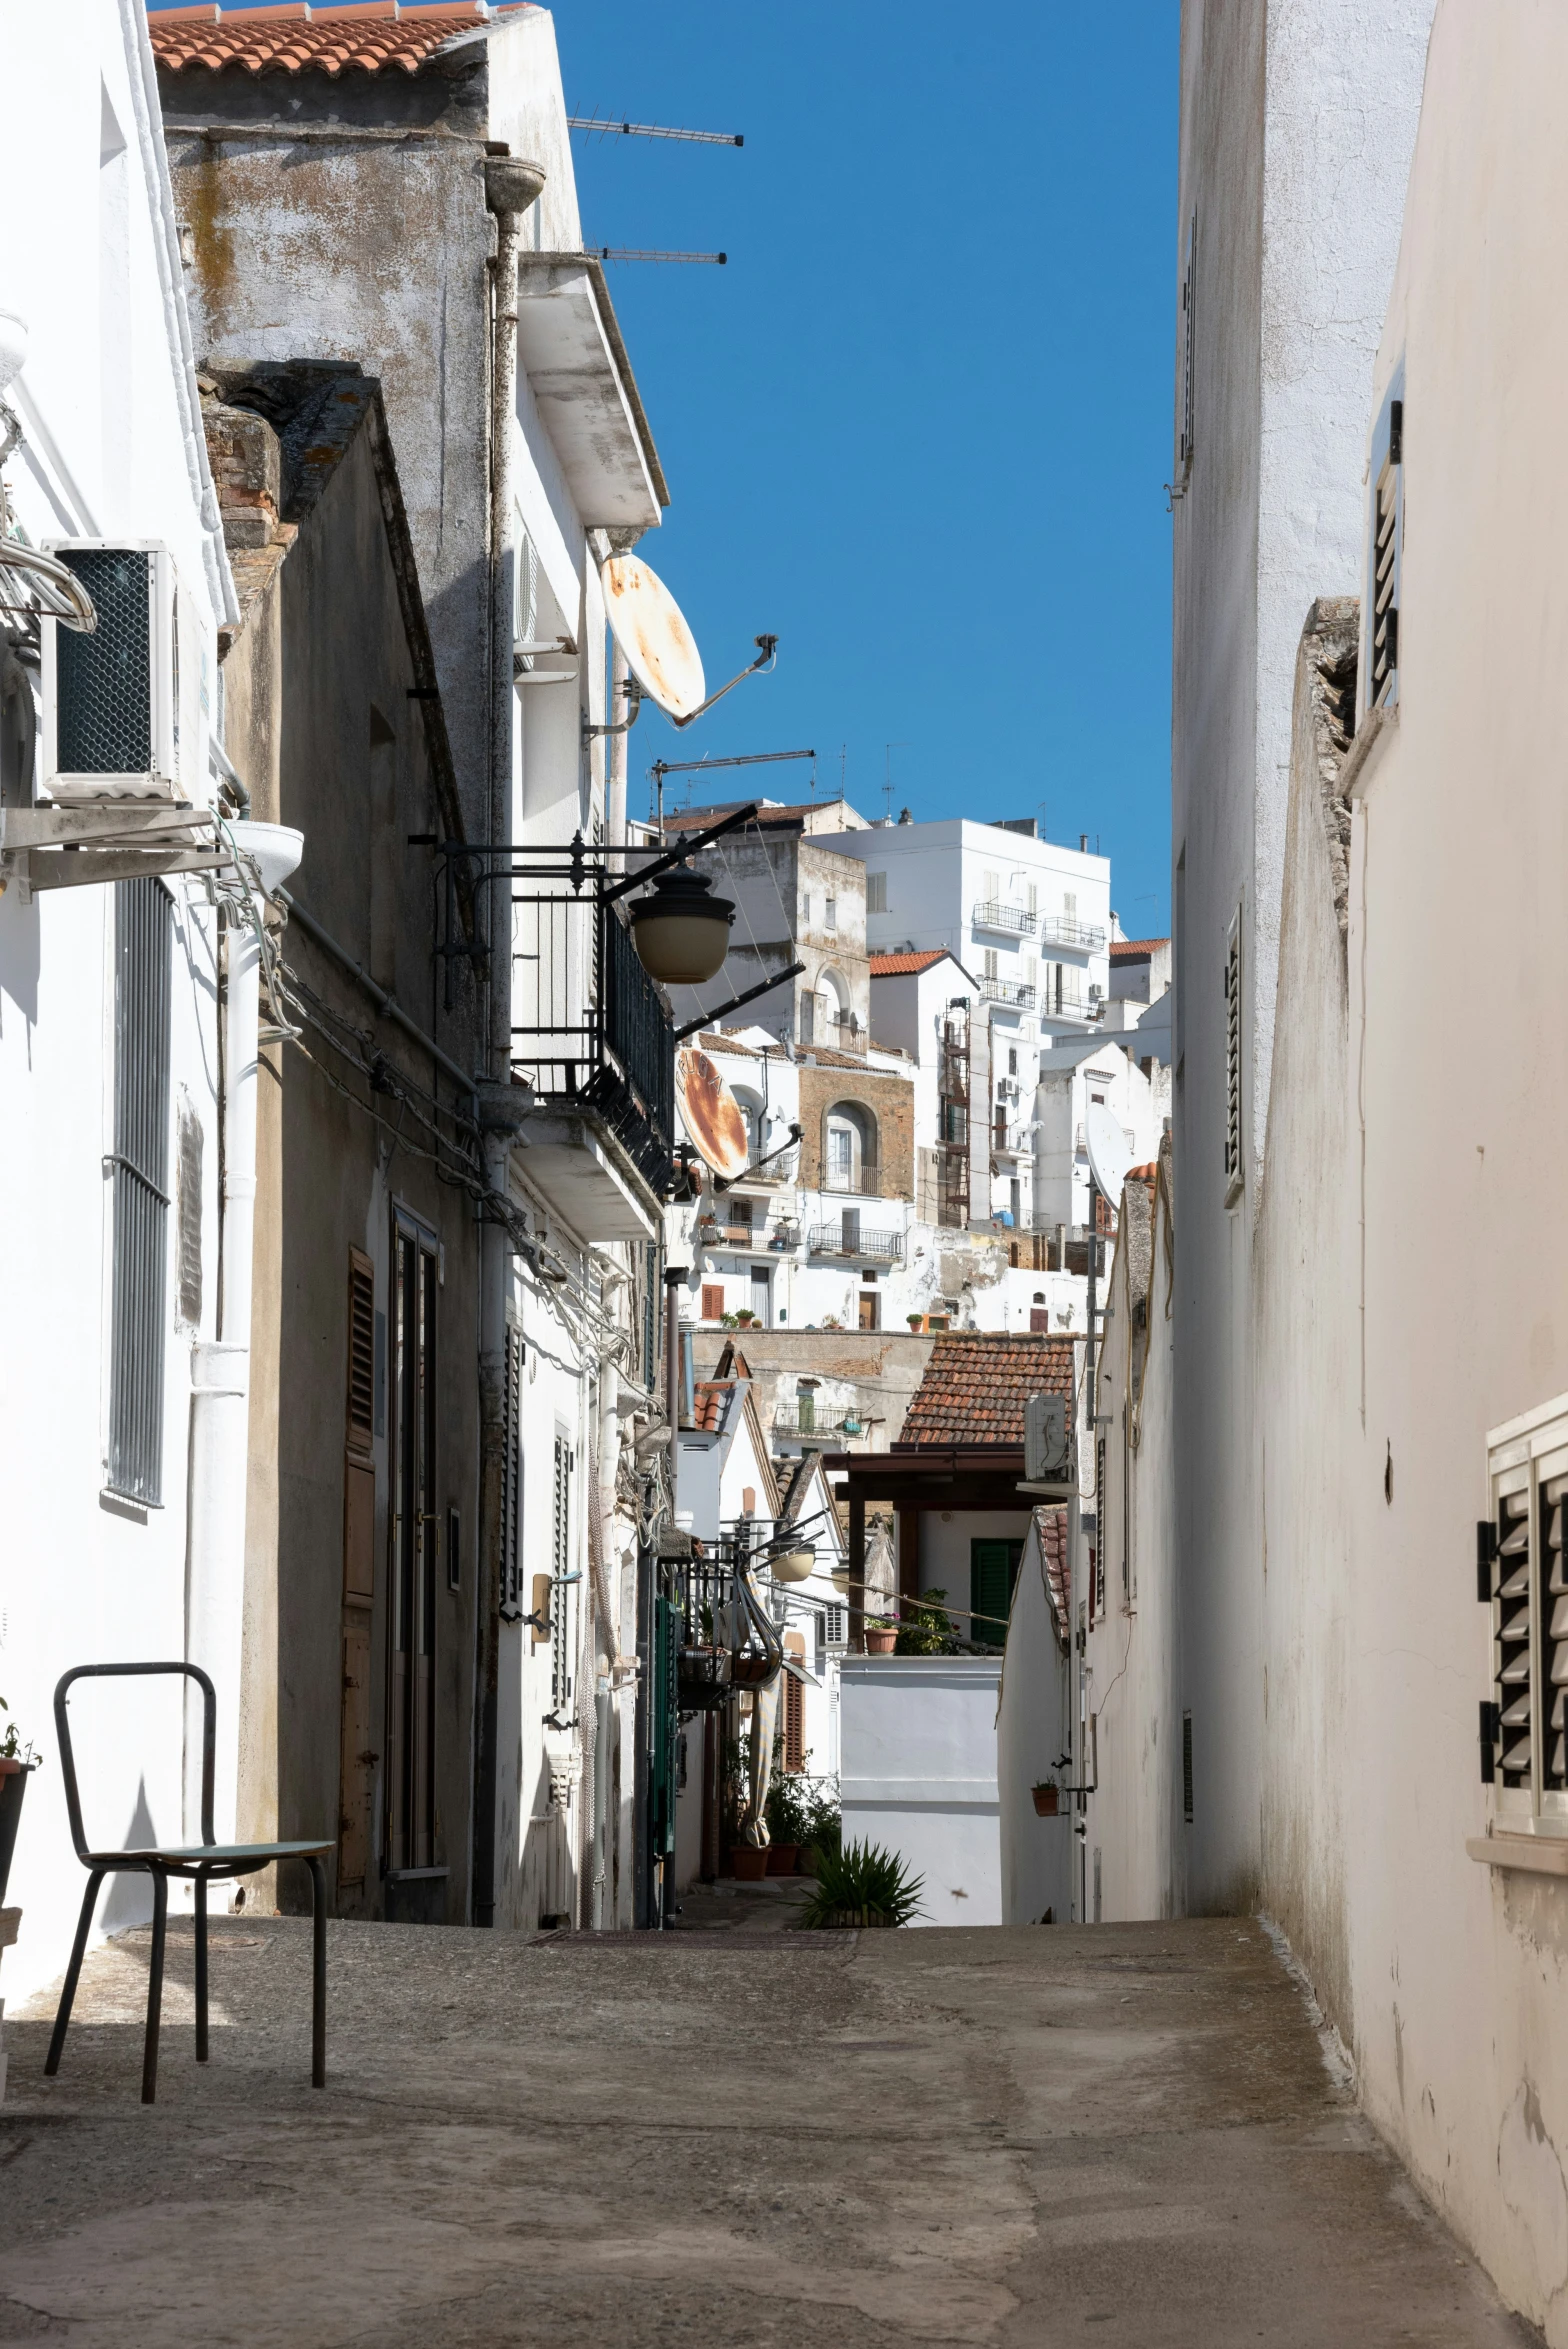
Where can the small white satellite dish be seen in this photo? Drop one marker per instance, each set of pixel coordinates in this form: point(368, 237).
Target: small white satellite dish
point(1109, 1157)
point(650, 629)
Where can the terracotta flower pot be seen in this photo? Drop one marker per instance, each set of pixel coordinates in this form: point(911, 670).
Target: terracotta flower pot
point(749, 1862)
point(881, 1641)
point(1047, 1800)
point(783, 1858)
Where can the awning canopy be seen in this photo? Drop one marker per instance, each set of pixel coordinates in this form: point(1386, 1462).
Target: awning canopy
point(570, 348)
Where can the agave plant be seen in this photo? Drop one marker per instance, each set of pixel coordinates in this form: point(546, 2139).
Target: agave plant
point(863, 1885)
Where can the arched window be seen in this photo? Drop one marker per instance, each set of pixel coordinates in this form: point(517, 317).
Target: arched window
point(850, 1156)
point(752, 1111)
point(833, 1009)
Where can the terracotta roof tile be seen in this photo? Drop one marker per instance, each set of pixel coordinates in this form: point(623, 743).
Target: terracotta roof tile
point(1135, 949)
point(709, 1399)
point(898, 966)
point(370, 35)
point(1052, 1527)
point(976, 1386)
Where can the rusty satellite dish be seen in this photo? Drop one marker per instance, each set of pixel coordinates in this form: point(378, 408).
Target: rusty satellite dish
point(712, 1115)
point(649, 627)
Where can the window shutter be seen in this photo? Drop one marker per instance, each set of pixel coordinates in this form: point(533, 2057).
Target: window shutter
point(876, 893)
point(992, 1567)
point(511, 1559)
point(561, 1553)
point(712, 1301)
point(139, 1162)
point(794, 1707)
point(361, 1353)
point(1233, 1174)
point(1388, 509)
point(1186, 1767)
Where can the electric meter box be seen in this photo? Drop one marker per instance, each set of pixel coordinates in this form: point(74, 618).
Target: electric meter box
point(126, 708)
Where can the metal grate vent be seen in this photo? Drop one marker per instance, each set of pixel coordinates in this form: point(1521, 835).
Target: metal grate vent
point(361, 1352)
point(1554, 1644)
point(105, 680)
point(1514, 1583)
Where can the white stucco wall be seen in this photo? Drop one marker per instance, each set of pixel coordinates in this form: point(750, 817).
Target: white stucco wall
point(1033, 1732)
point(1297, 126)
point(918, 1746)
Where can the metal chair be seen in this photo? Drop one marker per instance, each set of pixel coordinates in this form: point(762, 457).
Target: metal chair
point(206, 1862)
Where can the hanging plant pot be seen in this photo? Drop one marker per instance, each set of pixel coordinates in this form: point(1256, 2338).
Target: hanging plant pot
point(1047, 1800)
point(13, 1786)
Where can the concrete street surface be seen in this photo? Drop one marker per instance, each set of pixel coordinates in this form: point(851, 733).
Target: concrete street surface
point(1111, 2134)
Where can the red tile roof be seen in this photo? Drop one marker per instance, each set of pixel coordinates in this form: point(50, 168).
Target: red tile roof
point(710, 1397)
point(370, 34)
point(1052, 1525)
point(976, 1386)
point(1135, 949)
point(899, 966)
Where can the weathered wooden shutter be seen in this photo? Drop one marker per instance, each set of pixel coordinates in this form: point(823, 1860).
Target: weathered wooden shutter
point(358, 1760)
point(511, 1559)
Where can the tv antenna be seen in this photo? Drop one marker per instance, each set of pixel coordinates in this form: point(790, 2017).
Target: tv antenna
point(652, 130)
point(750, 758)
point(888, 749)
point(649, 253)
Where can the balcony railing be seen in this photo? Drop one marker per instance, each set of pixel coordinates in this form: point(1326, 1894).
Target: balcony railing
point(846, 1031)
point(802, 1427)
point(588, 1029)
point(1065, 930)
point(852, 1239)
point(1009, 991)
point(759, 1238)
point(1054, 1006)
point(1014, 921)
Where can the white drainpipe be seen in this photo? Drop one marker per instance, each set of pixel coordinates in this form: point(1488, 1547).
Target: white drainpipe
point(220, 1367)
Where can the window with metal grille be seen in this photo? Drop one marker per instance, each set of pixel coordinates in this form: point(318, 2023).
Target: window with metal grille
point(1387, 542)
point(1523, 1577)
point(835, 1625)
point(139, 1165)
point(511, 1561)
point(560, 1562)
point(1186, 400)
point(1233, 1174)
point(876, 893)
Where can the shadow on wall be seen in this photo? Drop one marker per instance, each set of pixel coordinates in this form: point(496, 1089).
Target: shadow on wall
point(130, 1896)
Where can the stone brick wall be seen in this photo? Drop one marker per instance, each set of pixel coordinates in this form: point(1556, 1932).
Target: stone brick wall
point(891, 1101)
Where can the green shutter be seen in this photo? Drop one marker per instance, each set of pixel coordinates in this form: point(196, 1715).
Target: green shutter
point(993, 1569)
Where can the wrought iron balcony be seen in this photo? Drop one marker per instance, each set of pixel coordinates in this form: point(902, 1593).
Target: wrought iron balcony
point(1012, 921)
point(861, 1182)
point(1069, 1007)
point(852, 1239)
point(1009, 991)
point(588, 1028)
point(1067, 930)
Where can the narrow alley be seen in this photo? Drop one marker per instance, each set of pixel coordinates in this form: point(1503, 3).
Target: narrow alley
point(744, 2136)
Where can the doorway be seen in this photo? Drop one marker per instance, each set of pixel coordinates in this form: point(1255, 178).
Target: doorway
point(762, 1295)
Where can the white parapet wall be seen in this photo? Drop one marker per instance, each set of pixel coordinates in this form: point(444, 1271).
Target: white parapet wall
point(917, 1743)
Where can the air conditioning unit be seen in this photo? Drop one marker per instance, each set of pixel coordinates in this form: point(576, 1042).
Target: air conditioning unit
point(1045, 1439)
point(126, 708)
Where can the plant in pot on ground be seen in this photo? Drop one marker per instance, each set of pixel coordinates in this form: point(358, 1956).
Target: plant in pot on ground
point(863, 1885)
point(17, 1763)
point(881, 1635)
point(824, 1824)
point(788, 1813)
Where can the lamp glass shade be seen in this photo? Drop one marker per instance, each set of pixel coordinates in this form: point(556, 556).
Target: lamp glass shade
point(680, 930)
point(841, 1578)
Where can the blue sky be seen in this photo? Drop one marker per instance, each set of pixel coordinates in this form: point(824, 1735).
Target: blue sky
point(920, 424)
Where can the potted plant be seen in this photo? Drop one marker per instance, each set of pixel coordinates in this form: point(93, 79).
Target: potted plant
point(916, 1322)
point(881, 1635)
point(748, 1862)
point(862, 1885)
point(923, 1629)
point(1047, 1798)
point(17, 1763)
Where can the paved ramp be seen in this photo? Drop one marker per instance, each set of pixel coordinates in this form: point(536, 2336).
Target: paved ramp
point(1106, 2135)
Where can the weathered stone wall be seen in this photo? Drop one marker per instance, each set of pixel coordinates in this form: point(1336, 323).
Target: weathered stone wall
point(891, 1101)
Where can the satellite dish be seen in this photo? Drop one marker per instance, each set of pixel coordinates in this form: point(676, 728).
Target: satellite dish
point(1109, 1157)
point(648, 625)
point(711, 1114)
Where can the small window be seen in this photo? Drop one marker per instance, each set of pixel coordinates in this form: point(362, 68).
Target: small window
point(712, 1300)
point(1233, 1173)
point(1012, 1060)
point(1381, 666)
point(870, 1311)
point(835, 1625)
point(991, 967)
point(993, 1570)
point(1070, 905)
point(830, 913)
point(876, 893)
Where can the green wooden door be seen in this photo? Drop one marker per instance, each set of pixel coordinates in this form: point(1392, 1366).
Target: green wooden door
point(993, 1569)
